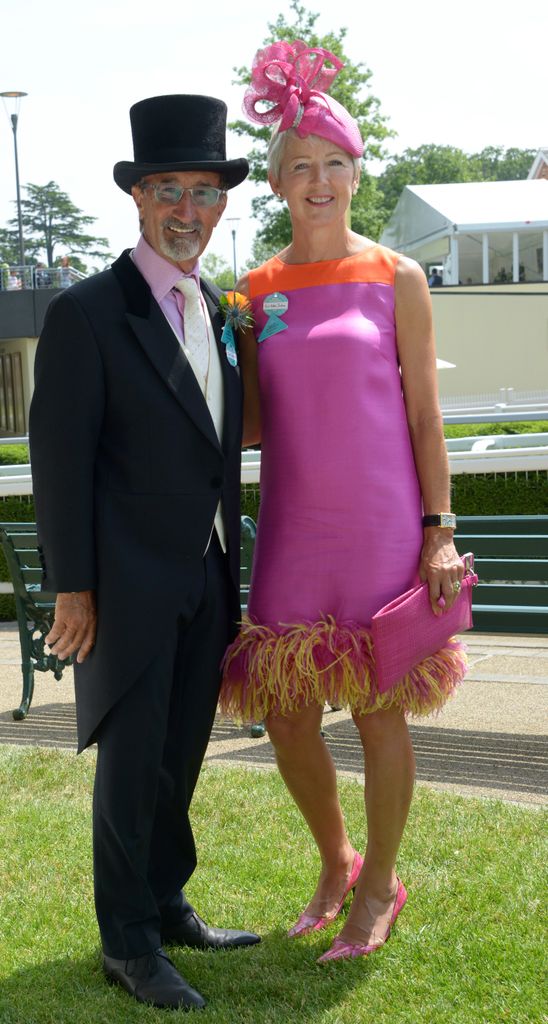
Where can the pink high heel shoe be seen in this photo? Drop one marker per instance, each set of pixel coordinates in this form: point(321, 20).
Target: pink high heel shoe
point(309, 923)
point(341, 950)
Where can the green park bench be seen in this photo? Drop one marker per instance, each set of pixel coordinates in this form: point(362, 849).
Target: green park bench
point(35, 607)
point(246, 558)
point(511, 560)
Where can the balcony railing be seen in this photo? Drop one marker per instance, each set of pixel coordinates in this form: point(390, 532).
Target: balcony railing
point(27, 278)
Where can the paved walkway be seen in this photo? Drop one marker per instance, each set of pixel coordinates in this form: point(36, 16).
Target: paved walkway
point(489, 740)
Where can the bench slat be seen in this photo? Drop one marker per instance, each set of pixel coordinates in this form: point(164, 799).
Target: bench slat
point(510, 619)
point(502, 524)
point(28, 558)
point(500, 545)
point(23, 540)
point(527, 569)
point(31, 576)
point(518, 594)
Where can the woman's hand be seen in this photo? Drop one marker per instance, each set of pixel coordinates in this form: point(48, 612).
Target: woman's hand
point(441, 567)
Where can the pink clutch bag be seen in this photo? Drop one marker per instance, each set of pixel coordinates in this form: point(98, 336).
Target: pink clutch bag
point(406, 631)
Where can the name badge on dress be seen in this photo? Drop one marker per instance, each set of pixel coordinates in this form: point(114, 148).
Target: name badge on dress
point(274, 305)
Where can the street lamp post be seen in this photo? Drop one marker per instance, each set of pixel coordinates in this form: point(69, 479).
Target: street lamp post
point(234, 221)
point(14, 117)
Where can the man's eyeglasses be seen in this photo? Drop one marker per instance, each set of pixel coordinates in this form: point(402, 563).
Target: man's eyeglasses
point(200, 195)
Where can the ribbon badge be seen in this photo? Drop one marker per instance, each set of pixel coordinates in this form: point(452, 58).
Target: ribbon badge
point(274, 305)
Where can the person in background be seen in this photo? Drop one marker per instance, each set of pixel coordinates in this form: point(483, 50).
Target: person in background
point(65, 279)
point(13, 282)
point(435, 280)
point(42, 278)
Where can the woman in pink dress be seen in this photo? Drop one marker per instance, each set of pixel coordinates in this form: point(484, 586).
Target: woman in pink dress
point(341, 391)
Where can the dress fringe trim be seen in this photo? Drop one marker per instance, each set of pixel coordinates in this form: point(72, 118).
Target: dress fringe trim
point(284, 669)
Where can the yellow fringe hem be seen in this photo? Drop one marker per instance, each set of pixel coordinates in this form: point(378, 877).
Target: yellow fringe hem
point(267, 670)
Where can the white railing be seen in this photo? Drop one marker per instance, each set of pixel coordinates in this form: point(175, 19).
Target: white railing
point(506, 405)
point(489, 441)
point(503, 397)
point(28, 278)
point(501, 460)
point(15, 481)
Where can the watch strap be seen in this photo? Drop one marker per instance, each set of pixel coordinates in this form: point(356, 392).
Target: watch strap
point(447, 520)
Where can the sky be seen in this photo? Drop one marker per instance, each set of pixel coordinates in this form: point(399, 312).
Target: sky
point(467, 74)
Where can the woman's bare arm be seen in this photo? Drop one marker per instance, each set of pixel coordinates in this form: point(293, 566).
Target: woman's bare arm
point(440, 564)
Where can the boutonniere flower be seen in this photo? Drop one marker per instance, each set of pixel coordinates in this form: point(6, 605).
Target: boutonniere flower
point(236, 310)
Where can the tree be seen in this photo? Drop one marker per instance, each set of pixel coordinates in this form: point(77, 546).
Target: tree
point(51, 221)
point(9, 247)
point(348, 88)
point(496, 164)
point(216, 269)
point(427, 165)
point(432, 165)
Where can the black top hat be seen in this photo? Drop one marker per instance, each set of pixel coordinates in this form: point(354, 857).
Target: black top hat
point(179, 133)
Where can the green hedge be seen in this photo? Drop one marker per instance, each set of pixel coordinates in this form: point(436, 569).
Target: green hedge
point(12, 510)
point(521, 494)
point(250, 498)
point(488, 429)
point(14, 454)
point(518, 494)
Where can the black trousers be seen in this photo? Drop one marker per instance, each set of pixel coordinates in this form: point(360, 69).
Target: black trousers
point(150, 749)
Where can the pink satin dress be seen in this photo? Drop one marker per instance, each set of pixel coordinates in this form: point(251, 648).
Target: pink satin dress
point(339, 531)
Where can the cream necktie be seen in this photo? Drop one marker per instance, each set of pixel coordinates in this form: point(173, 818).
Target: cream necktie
point(195, 328)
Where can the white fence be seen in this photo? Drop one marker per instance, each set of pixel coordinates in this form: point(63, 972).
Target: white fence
point(19, 278)
point(507, 405)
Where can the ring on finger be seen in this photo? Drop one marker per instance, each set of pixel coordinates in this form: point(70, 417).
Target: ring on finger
point(456, 586)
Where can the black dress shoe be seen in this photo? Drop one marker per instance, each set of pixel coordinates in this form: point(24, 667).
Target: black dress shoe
point(194, 932)
point(153, 979)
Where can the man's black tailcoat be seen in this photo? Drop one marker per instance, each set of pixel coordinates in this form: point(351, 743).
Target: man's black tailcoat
point(127, 471)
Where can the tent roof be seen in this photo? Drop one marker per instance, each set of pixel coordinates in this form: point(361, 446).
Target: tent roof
point(425, 212)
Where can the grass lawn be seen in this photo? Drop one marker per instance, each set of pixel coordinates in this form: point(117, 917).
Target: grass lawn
point(467, 949)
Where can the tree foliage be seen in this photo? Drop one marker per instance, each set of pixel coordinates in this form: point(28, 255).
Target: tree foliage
point(351, 88)
point(432, 165)
point(51, 222)
point(216, 269)
point(9, 247)
point(494, 163)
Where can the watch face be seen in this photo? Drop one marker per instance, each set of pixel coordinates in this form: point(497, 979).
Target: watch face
point(448, 519)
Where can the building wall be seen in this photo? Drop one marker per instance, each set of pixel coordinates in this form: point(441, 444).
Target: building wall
point(16, 384)
point(496, 335)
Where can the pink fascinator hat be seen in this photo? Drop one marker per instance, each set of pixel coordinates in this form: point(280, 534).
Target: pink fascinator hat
point(293, 78)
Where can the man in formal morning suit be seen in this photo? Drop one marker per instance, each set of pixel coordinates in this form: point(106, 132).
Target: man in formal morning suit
point(135, 436)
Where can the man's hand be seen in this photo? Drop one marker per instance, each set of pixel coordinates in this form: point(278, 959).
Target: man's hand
point(74, 625)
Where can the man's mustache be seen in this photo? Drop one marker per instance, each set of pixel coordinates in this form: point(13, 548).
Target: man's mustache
point(174, 222)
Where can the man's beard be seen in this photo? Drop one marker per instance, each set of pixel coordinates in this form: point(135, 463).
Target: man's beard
point(181, 248)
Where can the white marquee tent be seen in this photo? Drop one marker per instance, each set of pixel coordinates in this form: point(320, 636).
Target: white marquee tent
point(477, 232)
